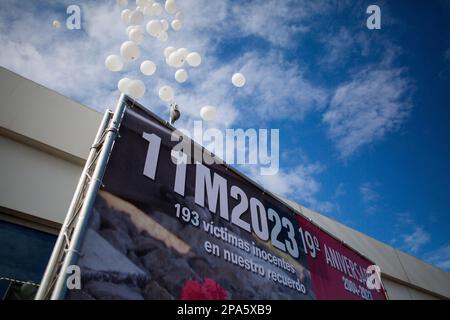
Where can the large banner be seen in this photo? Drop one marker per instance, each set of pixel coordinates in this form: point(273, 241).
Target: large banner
point(162, 228)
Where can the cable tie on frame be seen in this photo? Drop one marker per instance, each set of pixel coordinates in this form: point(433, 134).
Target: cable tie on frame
point(96, 145)
point(113, 129)
point(79, 253)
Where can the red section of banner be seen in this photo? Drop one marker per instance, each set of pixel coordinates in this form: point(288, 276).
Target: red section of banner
point(337, 272)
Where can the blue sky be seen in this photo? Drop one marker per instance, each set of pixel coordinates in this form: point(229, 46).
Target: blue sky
point(363, 114)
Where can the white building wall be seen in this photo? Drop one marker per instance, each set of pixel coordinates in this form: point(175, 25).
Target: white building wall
point(39, 114)
point(35, 182)
point(397, 291)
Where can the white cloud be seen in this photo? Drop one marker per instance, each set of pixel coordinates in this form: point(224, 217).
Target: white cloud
point(368, 193)
point(298, 183)
point(340, 191)
point(338, 44)
point(369, 197)
point(439, 257)
point(405, 219)
point(415, 240)
point(375, 100)
point(274, 21)
point(365, 109)
point(278, 89)
point(347, 44)
point(447, 55)
point(410, 236)
point(279, 22)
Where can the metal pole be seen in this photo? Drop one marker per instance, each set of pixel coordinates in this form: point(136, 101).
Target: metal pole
point(95, 183)
point(59, 245)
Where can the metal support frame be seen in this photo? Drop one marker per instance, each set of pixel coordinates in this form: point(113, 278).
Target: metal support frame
point(53, 284)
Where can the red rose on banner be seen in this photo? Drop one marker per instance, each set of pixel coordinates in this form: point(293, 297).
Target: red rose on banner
point(208, 290)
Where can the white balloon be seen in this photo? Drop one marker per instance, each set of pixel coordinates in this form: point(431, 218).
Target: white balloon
point(148, 67)
point(154, 28)
point(157, 8)
point(148, 11)
point(181, 75)
point(56, 24)
point(136, 89)
point(136, 17)
point(172, 60)
point(125, 16)
point(128, 29)
point(164, 24)
point(122, 3)
point(208, 113)
point(194, 59)
point(179, 15)
point(176, 24)
point(184, 52)
point(140, 29)
point(163, 36)
point(141, 3)
point(238, 80)
point(135, 36)
point(168, 51)
point(166, 93)
point(134, 27)
point(129, 50)
point(170, 6)
point(176, 59)
point(123, 85)
point(113, 63)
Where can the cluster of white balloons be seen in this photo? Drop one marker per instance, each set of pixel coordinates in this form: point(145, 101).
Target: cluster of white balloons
point(158, 29)
point(135, 33)
point(149, 8)
point(175, 58)
point(130, 51)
